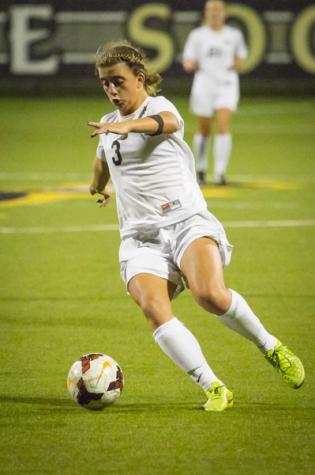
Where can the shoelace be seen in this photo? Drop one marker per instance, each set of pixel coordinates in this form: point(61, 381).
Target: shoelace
point(279, 360)
point(216, 392)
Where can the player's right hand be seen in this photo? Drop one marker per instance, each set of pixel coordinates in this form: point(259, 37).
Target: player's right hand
point(119, 128)
point(102, 202)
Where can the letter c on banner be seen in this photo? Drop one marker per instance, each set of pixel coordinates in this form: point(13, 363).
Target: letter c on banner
point(256, 33)
point(150, 38)
point(301, 39)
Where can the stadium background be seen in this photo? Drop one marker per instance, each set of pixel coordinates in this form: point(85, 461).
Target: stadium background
point(46, 44)
point(61, 295)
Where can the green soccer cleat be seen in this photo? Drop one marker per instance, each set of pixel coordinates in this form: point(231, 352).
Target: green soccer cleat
point(288, 364)
point(219, 398)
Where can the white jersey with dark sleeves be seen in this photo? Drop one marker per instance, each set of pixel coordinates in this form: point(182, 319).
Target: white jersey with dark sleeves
point(215, 53)
point(153, 176)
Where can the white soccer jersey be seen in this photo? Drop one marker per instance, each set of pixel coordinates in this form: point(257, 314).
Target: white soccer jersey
point(215, 52)
point(154, 176)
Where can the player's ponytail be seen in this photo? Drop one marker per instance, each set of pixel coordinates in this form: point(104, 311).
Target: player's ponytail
point(124, 52)
point(152, 81)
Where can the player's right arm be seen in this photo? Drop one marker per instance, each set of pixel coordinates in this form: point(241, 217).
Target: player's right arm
point(100, 179)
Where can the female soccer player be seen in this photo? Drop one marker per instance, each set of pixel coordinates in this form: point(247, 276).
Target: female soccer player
point(166, 230)
point(215, 53)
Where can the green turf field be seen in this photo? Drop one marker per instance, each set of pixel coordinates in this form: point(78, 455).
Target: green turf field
point(61, 297)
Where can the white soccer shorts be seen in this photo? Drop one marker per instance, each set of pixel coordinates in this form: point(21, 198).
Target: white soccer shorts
point(159, 252)
point(206, 98)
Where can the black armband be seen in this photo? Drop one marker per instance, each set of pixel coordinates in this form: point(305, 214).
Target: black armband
point(159, 119)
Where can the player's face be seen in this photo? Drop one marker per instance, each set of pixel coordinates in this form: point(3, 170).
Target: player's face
point(123, 88)
point(215, 13)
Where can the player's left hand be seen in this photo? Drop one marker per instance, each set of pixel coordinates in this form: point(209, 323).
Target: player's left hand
point(119, 128)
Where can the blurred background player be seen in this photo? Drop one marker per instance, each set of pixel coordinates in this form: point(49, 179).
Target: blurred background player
point(215, 53)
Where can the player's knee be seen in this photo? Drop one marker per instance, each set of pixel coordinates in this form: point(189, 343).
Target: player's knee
point(216, 301)
point(203, 127)
point(204, 131)
point(223, 129)
point(151, 307)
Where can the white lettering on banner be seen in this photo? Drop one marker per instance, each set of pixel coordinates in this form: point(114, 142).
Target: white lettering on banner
point(23, 38)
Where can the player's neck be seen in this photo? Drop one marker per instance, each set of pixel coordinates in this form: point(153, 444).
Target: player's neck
point(136, 104)
point(216, 27)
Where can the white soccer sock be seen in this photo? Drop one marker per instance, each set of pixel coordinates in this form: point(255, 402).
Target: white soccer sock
point(242, 320)
point(221, 151)
point(200, 145)
point(179, 344)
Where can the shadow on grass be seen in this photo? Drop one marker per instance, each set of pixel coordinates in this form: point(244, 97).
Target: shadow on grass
point(50, 403)
point(46, 401)
point(261, 408)
point(154, 406)
point(241, 408)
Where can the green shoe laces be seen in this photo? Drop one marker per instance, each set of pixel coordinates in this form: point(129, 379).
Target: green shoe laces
point(279, 358)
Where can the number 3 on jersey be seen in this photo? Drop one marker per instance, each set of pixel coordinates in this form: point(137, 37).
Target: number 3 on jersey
point(117, 159)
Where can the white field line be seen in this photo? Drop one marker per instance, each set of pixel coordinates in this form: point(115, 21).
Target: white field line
point(290, 223)
point(272, 129)
point(218, 203)
point(284, 178)
point(62, 177)
point(38, 176)
point(60, 229)
point(285, 223)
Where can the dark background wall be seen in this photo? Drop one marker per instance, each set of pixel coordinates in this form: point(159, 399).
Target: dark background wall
point(47, 47)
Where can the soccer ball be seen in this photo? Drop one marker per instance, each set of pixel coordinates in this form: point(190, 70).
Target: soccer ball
point(95, 381)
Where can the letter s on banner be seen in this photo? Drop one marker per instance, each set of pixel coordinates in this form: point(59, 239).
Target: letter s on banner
point(156, 39)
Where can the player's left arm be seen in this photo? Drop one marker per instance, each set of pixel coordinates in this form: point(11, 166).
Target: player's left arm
point(162, 123)
point(240, 53)
point(190, 53)
point(190, 66)
point(238, 64)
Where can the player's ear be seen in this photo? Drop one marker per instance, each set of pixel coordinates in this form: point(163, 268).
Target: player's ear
point(140, 79)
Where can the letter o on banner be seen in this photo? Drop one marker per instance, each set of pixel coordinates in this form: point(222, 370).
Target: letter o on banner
point(256, 33)
point(300, 39)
